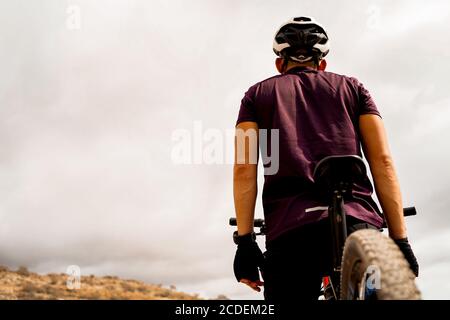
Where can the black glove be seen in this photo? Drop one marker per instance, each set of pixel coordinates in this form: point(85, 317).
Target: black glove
point(248, 258)
point(405, 248)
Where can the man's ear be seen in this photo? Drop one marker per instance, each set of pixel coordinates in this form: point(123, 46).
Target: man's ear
point(322, 65)
point(279, 64)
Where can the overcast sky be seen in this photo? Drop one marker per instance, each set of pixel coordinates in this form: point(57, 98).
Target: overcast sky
point(91, 92)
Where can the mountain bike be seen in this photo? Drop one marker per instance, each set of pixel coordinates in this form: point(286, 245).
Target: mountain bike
point(367, 265)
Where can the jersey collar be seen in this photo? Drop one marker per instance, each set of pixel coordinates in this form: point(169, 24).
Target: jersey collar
point(299, 69)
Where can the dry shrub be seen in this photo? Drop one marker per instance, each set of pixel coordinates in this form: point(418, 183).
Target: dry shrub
point(165, 293)
point(126, 286)
point(29, 291)
point(92, 295)
point(53, 292)
point(88, 280)
point(142, 288)
point(54, 278)
point(29, 287)
point(3, 269)
point(23, 271)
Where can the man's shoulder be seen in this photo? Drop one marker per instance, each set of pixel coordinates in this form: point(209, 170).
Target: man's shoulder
point(340, 76)
point(256, 88)
point(271, 81)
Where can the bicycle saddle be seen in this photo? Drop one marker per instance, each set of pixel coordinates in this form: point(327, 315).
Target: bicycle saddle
point(335, 172)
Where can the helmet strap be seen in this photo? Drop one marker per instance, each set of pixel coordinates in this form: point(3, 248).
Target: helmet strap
point(316, 61)
point(285, 64)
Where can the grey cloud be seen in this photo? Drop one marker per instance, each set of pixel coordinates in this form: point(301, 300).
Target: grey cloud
point(86, 119)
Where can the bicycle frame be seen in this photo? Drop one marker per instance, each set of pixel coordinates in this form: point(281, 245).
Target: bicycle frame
point(338, 224)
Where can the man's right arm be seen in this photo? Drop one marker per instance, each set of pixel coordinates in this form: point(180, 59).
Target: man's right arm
point(387, 187)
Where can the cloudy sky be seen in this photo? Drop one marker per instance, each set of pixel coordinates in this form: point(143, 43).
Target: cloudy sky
point(91, 93)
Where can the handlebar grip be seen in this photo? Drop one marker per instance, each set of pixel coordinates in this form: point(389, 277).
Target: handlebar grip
point(257, 223)
point(410, 211)
point(407, 212)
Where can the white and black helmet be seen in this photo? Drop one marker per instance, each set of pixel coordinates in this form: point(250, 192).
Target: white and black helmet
point(301, 39)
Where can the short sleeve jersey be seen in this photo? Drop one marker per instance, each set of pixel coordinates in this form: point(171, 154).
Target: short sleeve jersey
point(317, 115)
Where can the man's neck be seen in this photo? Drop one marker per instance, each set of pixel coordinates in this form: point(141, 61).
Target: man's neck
point(301, 65)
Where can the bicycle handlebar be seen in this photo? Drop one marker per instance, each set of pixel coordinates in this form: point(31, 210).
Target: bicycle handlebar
point(258, 223)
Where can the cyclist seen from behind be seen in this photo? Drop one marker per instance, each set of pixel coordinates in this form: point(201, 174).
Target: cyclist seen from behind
point(315, 113)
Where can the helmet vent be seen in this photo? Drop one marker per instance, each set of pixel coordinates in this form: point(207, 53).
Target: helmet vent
point(300, 19)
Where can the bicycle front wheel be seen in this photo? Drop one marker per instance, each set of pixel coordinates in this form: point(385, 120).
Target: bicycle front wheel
point(374, 268)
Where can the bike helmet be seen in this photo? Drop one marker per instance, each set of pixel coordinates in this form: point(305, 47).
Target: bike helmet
point(301, 39)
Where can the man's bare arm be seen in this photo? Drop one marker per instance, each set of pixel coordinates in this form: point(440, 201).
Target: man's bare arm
point(387, 187)
point(245, 175)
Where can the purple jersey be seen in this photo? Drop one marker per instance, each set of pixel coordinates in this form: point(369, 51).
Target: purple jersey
point(317, 115)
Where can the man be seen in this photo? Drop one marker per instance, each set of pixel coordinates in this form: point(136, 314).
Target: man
point(315, 114)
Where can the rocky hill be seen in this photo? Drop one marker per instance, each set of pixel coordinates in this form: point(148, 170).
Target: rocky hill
point(23, 284)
